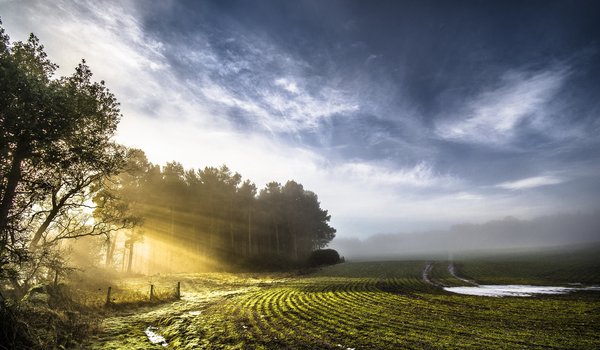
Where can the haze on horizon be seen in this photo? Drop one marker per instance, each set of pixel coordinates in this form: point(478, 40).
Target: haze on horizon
point(403, 116)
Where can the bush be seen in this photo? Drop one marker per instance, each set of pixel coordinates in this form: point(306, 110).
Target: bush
point(323, 257)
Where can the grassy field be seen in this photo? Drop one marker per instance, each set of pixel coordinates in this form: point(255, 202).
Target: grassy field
point(371, 305)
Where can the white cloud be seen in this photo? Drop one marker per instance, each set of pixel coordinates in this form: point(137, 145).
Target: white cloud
point(371, 58)
point(219, 94)
point(304, 111)
point(287, 85)
point(493, 116)
point(530, 182)
point(467, 196)
point(275, 112)
point(421, 175)
point(267, 84)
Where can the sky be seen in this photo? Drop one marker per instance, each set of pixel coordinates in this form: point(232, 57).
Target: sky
point(403, 116)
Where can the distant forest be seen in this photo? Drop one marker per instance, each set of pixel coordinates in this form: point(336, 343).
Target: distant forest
point(195, 217)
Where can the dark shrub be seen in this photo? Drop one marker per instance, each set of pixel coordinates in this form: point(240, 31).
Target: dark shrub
point(323, 257)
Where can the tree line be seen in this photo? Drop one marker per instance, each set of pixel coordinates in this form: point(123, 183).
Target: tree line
point(208, 215)
point(63, 178)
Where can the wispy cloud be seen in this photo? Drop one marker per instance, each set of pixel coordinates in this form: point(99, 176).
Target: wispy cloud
point(282, 112)
point(531, 182)
point(421, 175)
point(260, 81)
point(493, 116)
point(288, 85)
point(304, 111)
point(467, 196)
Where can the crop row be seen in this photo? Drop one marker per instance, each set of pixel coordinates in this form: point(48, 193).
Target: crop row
point(348, 309)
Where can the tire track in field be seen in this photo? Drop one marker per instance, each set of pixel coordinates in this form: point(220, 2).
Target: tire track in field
point(452, 270)
point(427, 278)
point(426, 275)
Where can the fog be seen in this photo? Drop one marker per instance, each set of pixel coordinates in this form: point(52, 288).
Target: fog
point(505, 235)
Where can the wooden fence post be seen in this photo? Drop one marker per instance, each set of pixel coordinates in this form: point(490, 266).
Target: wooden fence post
point(151, 292)
point(108, 301)
point(178, 290)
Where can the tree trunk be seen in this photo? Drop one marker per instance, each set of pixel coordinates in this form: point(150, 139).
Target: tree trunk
point(130, 257)
point(170, 249)
point(295, 246)
point(40, 231)
point(57, 205)
point(110, 250)
point(231, 236)
point(231, 226)
point(277, 237)
point(249, 231)
point(14, 176)
point(123, 259)
point(172, 221)
point(211, 225)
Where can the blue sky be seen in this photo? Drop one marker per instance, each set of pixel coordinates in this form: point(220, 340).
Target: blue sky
point(400, 115)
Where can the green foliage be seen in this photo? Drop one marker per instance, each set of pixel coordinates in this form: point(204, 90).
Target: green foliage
point(55, 142)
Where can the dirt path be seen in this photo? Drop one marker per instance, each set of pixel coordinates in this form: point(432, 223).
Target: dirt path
point(126, 331)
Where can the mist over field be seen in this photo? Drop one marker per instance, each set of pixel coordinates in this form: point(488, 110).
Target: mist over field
point(505, 235)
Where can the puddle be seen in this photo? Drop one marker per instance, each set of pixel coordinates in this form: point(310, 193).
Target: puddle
point(155, 337)
point(514, 290)
point(341, 346)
